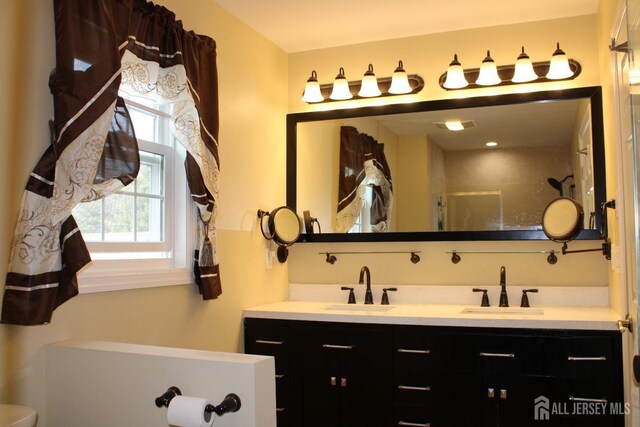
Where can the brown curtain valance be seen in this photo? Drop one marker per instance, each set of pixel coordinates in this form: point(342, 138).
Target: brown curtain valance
point(103, 46)
point(362, 163)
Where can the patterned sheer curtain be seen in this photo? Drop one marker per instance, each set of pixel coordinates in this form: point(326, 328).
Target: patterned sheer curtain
point(362, 164)
point(103, 46)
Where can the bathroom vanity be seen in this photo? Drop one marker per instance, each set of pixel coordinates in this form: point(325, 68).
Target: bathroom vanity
point(420, 365)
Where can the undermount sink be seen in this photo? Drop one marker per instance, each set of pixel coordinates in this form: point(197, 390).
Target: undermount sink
point(503, 310)
point(360, 307)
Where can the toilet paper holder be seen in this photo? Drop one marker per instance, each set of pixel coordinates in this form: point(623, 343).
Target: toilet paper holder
point(231, 402)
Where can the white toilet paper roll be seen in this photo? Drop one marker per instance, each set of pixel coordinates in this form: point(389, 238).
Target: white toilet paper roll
point(186, 411)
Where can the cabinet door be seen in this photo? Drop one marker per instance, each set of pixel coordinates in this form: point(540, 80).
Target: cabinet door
point(366, 395)
point(494, 400)
point(320, 393)
point(346, 376)
point(525, 401)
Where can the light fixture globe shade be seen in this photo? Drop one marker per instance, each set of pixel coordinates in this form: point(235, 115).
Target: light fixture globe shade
point(488, 72)
point(312, 91)
point(369, 84)
point(524, 69)
point(559, 67)
point(455, 75)
point(340, 89)
point(400, 81)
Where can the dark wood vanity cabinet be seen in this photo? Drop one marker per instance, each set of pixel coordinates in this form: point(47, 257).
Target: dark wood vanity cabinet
point(340, 374)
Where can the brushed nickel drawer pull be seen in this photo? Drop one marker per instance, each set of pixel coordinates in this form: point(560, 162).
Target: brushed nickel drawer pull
point(497, 355)
point(269, 342)
point(404, 423)
point(587, 359)
point(280, 376)
point(410, 351)
point(337, 347)
point(414, 388)
point(280, 409)
point(587, 399)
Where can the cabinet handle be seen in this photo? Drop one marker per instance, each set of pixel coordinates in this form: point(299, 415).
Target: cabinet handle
point(497, 354)
point(280, 410)
point(269, 342)
point(280, 376)
point(414, 388)
point(503, 394)
point(405, 423)
point(587, 359)
point(337, 347)
point(333, 381)
point(491, 393)
point(407, 350)
point(587, 399)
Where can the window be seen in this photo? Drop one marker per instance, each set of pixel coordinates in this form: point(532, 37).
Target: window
point(136, 235)
point(363, 222)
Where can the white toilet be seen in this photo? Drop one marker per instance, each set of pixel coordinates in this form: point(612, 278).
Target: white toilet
point(17, 416)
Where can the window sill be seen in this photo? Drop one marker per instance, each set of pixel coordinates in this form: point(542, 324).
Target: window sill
point(91, 281)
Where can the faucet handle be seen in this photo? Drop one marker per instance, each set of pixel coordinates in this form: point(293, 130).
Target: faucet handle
point(352, 296)
point(525, 299)
point(485, 297)
point(385, 296)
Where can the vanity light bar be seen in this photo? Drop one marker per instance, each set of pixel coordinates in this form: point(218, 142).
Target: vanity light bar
point(341, 89)
point(505, 72)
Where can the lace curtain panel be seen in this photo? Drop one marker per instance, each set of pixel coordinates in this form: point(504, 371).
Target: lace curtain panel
point(103, 46)
point(362, 164)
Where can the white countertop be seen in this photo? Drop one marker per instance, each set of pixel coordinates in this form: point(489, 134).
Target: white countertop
point(587, 318)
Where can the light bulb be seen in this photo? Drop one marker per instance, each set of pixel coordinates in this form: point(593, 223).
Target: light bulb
point(559, 67)
point(524, 69)
point(340, 87)
point(455, 75)
point(369, 85)
point(312, 89)
point(488, 72)
point(400, 81)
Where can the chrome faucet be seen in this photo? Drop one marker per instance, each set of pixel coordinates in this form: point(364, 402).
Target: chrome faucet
point(368, 296)
point(504, 299)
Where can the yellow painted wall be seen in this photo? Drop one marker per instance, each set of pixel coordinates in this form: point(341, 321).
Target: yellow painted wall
point(429, 56)
point(253, 104)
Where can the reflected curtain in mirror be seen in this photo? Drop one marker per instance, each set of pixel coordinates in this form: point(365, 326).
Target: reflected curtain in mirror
point(103, 46)
point(363, 165)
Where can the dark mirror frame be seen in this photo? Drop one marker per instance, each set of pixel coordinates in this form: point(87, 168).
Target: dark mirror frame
point(594, 93)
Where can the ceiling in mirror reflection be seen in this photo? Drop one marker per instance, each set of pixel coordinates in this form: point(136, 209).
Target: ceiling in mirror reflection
point(504, 124)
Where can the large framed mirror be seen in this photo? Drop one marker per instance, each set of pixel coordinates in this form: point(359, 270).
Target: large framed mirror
point(448, 185)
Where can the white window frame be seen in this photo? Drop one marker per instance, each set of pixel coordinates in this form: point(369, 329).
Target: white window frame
point(145, 266)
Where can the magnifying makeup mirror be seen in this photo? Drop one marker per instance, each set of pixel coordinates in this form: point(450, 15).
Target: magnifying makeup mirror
point(562, 222)
point(283, 227)
point(562, 219)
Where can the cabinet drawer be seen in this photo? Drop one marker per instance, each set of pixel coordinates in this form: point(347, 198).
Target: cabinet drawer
point(269, 338)
point(587, 357)
point(414, 387)
point(345, 344)
point(413, 416)
point(503, 353)
point(582, 390)
point(414, 348)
